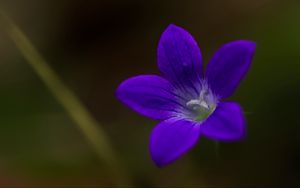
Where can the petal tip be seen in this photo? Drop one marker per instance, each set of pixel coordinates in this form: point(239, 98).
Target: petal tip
point(161, 161)
point(251, 45)
point(118, 91)
point(173, 28)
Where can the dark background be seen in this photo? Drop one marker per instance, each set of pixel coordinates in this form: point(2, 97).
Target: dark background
point(94, 45)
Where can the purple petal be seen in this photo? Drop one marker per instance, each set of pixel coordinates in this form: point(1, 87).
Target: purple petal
point(228, 66)
point(180, 60)
point(149, 95)
point(171, 139)
point(227, 123)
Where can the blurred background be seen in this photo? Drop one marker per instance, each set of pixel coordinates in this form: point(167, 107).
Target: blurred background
point(94, 45)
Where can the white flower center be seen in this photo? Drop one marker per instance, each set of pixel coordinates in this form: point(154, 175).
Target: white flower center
point(202, 107)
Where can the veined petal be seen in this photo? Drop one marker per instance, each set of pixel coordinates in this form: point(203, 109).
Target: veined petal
point(180, 60)
point(227, 123)
point(172, 138)
point(149, 95)
point(228, 66)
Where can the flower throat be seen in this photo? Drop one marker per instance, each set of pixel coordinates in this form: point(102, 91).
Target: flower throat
point(202, 107)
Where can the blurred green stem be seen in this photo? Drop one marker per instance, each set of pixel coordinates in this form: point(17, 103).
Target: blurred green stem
point(76, 110)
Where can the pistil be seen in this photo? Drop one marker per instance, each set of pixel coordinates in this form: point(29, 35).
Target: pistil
point(202, 107)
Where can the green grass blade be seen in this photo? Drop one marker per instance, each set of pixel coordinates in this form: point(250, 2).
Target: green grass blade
point(72, 105)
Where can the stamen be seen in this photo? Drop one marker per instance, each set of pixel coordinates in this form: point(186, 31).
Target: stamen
point(196, 104)
point(202, 107)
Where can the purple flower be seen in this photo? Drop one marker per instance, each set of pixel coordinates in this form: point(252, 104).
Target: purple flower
point(186, 101)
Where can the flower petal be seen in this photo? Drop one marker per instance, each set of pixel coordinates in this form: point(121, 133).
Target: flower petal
point(172, 138)
point(149, 95)
point(227, 123)
point(180, 60)
point(228, 66)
